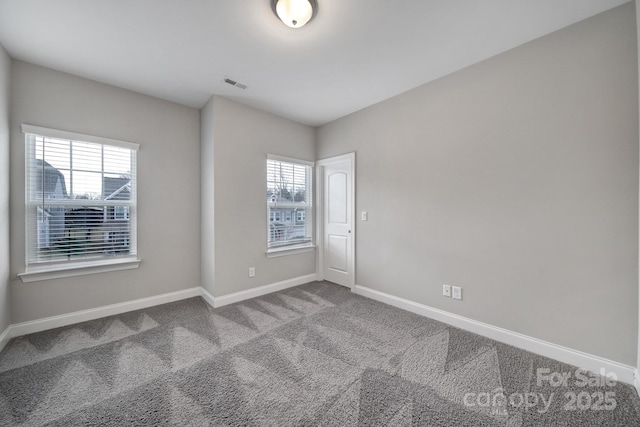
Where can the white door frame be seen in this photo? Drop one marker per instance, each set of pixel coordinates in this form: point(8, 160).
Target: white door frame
point(319, 211)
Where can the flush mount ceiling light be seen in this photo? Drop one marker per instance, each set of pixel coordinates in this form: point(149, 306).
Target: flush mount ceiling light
point(294, 13)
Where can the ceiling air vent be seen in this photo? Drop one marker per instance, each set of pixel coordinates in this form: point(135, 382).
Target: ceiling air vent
point(234, 83)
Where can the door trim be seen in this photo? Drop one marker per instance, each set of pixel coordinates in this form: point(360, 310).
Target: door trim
point(319, 211)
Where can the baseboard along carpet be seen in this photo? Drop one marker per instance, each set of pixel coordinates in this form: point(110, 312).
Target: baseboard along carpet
point(315, 354)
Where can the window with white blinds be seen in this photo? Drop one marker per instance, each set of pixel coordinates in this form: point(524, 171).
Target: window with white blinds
point(80, 197)
point(289, 202)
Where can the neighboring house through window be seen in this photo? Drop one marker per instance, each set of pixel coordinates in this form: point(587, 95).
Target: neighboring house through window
point(80, 198)
point(289, 202)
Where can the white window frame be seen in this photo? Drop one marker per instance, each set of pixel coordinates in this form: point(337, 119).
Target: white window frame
point(294, 248)
point(45, 270)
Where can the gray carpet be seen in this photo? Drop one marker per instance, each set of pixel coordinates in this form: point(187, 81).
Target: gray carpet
point(311, 355)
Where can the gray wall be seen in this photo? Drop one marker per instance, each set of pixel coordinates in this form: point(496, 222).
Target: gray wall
point(515, 178)
point(168, 187)
point(5, 306)
point(243, 136)
point(637, 6)
point(207, 199)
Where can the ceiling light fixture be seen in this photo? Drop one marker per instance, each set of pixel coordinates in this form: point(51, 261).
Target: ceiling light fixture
point(295, 13)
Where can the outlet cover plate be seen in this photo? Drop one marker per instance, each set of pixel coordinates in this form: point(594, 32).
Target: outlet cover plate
point(446, 290)
point(252, 272)
point(457, 292)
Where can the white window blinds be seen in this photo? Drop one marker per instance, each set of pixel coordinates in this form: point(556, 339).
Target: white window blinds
point(80, 197)
point(289, 202)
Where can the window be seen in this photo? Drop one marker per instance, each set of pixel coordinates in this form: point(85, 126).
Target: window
point(80, 198)
point(289, 195)
point(121, 212)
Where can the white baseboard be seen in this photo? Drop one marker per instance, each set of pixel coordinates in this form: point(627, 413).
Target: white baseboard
point(5, 337)
point(95, 313)
point(261, 290)
point(40, 325)
point(624, 373)
point(208, 297)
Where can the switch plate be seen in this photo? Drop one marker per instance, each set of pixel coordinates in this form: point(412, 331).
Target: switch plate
point(252, 272)
point(457, 292)
point(446, 290)
point(363, 215)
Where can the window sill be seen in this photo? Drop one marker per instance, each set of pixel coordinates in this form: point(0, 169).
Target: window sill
point(290, 250)
point(35, 274)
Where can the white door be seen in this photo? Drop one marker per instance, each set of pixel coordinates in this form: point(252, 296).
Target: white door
point(338, 219)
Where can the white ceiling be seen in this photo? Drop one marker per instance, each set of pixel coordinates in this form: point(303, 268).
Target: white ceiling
point(353, 54)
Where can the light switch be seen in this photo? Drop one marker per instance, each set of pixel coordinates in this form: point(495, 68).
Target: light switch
point(363, 216)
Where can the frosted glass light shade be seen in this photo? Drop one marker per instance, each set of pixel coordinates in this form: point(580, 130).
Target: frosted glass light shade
point(294, 13)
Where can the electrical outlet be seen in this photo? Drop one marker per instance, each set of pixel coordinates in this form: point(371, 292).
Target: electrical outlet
point(457, 292)
point(363, 215)
point(446, 290)
point(252, 272)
